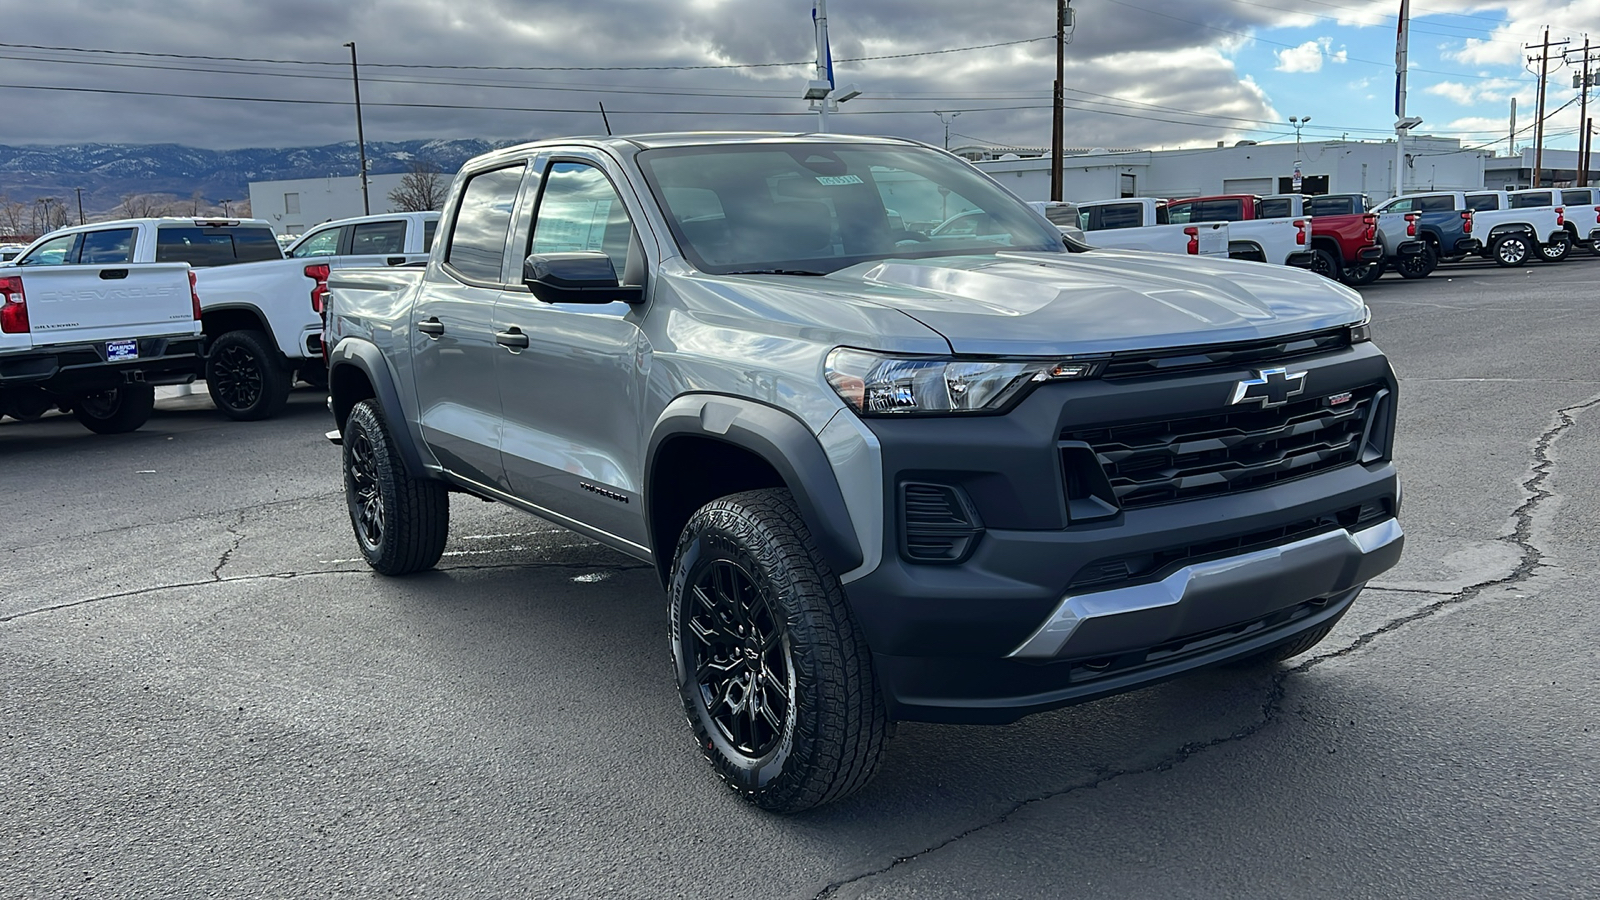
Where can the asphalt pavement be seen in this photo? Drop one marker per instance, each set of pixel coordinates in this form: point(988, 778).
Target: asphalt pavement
point(203, 692)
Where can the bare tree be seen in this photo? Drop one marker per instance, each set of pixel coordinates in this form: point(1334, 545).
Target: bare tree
point(422, 188)
point(13, 217)
point(141, 206)
point(196, 202)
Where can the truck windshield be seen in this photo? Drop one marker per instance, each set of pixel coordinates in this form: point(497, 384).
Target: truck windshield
point(808, 208)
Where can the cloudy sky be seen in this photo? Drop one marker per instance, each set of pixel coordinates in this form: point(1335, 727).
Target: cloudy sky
point(1141, 73)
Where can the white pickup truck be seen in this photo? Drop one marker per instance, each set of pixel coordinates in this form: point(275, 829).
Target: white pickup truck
point(262, 313)
point(1511, 235)
point(95, 338)
point(1142, 223)
point(1579, 210)
point(1257, 230)
point(392, 239)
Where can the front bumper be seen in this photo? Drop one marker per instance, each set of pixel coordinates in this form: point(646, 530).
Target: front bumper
point(1026, 620)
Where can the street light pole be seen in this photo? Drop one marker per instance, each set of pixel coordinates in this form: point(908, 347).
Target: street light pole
point(1298, 124)
point(81, 219)
point(361, 137)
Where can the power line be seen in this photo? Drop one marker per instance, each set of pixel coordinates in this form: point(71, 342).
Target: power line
point(683, 68)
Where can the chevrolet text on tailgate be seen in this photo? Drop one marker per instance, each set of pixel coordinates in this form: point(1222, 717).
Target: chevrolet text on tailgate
point(883, 473)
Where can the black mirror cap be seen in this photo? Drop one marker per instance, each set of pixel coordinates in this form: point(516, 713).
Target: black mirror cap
point(583, 276)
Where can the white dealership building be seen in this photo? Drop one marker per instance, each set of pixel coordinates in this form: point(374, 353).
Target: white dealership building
point(294, 205)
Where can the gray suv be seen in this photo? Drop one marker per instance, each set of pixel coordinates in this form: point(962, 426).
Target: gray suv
point(885, 470)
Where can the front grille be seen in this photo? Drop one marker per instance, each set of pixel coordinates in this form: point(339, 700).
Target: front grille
point(1150, 463)
point(1254, 354)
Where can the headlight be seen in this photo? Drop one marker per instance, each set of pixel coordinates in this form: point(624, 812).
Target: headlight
point(875, 384)
point(1363, 331)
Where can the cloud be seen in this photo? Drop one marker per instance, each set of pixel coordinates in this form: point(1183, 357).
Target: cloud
point(1308, 57)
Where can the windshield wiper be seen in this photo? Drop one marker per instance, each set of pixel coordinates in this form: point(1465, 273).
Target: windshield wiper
point(775, 272)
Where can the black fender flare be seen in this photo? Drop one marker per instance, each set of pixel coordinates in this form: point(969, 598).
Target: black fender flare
point(366, 357)
point(785, 443)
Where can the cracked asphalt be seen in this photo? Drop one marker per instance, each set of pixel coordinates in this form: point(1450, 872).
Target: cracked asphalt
point(204, 693)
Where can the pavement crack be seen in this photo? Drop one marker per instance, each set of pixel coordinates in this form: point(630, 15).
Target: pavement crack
point(238, 538)
point(1521, 537)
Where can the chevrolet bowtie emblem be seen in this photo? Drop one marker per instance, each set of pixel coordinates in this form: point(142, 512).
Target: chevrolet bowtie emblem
point(1270, 387)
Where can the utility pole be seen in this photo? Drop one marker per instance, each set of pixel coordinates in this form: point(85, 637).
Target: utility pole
point(1582, 83)
point(81, 219)
point(947, 122)
point(1058, 122)
point(1511, 141)
point(361, 137)
point(1538, 121)
point(819, 15)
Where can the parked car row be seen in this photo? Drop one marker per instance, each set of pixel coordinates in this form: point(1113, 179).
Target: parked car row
point(91, 324)
point(1342, 236)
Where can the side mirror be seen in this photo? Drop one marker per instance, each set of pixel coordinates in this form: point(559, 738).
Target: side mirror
point(585, 276)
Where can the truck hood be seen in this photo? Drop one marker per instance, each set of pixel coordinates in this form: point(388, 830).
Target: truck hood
point(1045, 304)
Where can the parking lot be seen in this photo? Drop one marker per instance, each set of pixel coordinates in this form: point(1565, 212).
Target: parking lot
point(205, 692)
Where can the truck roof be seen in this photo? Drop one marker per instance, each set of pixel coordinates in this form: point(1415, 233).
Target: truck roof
point(653, 141)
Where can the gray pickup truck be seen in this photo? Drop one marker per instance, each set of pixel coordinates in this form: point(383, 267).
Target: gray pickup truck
point(882, 473)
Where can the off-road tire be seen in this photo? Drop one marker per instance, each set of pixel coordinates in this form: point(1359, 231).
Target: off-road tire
point(1557, 250)
point(117, 411)
point(1290, 648)
point(246, 376)
point(400, 522)
point(1325, 264)
point(1362, 274)
point(1511, 250)
point(790, 613)
point(1418, 265)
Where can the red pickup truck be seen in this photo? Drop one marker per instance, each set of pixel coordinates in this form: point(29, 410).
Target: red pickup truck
point(1344, 236)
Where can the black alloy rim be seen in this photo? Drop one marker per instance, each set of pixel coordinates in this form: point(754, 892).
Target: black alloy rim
point(367, 505)
point(237, 376)
point(1362, 271)
point(1417, 262)
point(739, 658)
point(1322, 264)
point(100, 404)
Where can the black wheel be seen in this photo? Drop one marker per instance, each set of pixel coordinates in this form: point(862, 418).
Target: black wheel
point(1511, 250)
point(1557, 250)
point(1325, 264)
point(119, 410)
point(28, 404)
point(1362, 274)
point(1292, 647)
point(1418, 265)
point(246, 377)
point(775, 675)
point(400, 522)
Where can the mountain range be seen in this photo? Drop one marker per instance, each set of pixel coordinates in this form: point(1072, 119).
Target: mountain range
point(108, 172)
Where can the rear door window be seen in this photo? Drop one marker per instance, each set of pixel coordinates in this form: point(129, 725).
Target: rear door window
point(1577, 198)
point(1438, 203)
point(1482, 202)
point(107, 247)
point(1332, 206)
point(379, 238)
point(1121, 215)
point(477, 249)
point(1276, 208)
point(1529, 201)
point(428, 229)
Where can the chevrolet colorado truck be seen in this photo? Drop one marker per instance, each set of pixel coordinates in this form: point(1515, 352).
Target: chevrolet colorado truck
point(262, 312)
point(881, 474)
point(1344, 236)
point(1141, 223)
point(1252, 233)
point(94, 338)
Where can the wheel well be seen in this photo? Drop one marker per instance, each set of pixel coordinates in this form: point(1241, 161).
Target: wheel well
point(1248, 250)
point(1328, 244)
point(1499, 230)
point(347, 386)
point(221, 321)
point(688, 472)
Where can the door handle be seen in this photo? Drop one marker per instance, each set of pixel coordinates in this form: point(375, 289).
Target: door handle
point(432, 328)
point(396, 260)
point(113, 274)
point(513, 338)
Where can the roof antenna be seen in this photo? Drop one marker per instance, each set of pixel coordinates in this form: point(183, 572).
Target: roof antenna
point(603, 118)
